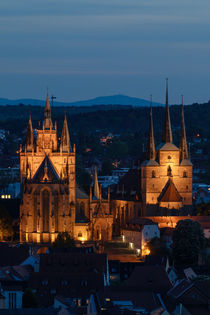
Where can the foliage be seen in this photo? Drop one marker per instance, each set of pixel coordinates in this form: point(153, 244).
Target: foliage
point(6, 227)
point(64, 240)
point(203, 209)
point(29, 299)
point(157, 247)
point(83, 178)
point(188, 242)
point(106, 168)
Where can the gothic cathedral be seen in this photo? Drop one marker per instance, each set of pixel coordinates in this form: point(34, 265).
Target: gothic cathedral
point(51, 201)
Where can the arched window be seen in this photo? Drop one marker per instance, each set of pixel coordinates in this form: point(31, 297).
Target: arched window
point(45, 209)
point(184, 174)
point(82, 209)
point(153, 174)
point(56, 210)
point(35, 212)
point(169, 171)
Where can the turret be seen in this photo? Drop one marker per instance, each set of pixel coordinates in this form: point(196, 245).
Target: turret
point(167, 133)
point(65, 145)
point(96, 186)
point(151, 154)
point(183, 141)
point(29, 144)
point(47, 115)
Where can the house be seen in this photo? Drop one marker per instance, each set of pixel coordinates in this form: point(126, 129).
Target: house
point(138, 232)
point(195, 295)
point(70, 275)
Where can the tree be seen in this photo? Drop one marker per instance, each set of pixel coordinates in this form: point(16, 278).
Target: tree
point(157, 247)
point(64, 240)
point(203, 209)
point(29, 299)
point(188, 241)
point(6, 229)
point(106, 168)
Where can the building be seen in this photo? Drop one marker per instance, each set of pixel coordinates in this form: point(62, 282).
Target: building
point(166, 175)
point(51, 200)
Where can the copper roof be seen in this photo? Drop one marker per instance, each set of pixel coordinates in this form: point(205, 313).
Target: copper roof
point(170, 193)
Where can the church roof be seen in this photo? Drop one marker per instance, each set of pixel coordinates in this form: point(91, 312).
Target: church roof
point(46, 171)
point(150, 163)
point(168, 146)
point(170, 193)
point(80, 194)
point(186, 162)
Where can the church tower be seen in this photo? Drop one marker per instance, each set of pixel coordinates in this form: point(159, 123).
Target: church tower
point(47, 172)
point(166, 177)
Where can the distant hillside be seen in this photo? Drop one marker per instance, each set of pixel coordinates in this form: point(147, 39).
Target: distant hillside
point(102, 100)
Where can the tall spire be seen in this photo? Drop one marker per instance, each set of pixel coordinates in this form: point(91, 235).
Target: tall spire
point(183, 141)
point(47, 114)
point(96, 186)
point(29, 136)
point(151, 142)
point(167, 133)
point(65, 138)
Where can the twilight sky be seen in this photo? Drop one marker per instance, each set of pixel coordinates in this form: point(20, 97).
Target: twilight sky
point(81, 49)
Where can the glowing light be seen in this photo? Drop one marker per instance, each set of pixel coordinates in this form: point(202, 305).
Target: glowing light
point(5, 196)
point(131, 245)
point(123, 238)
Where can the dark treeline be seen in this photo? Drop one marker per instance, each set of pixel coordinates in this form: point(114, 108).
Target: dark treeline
point(88, 124)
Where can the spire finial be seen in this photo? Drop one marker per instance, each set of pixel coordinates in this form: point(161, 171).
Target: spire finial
point(183, 141)
point(47, 114)
point(167, 133)
point(29, 136)
point(151, 143)
point(96, 186)
point(65, 138)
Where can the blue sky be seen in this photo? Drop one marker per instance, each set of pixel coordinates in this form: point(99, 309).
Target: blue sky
point(81, 49)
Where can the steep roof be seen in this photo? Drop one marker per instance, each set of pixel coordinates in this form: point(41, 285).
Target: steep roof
point(170, 193)
point(149, 278)
point(129, 186)
point(46, 170)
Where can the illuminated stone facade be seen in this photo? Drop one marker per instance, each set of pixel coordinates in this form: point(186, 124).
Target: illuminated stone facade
point(51, 202)
point(166, 176)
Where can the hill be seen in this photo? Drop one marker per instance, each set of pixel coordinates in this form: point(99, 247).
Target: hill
point(102, 100)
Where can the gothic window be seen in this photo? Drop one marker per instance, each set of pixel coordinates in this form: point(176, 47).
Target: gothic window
point(82, 209)
point(169, 157)
point(56, 209)
point(184, 174)
point(35, 212)
point(45, 209)
point(153, 174)
point(187, 187)
point(169, 171)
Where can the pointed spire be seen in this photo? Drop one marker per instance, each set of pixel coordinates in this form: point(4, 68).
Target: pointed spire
point(183, 141)
point(151, 141)
point(65, 138)
point(167, 133)
point(96, 186)
point(29, 136)
point(47, 114)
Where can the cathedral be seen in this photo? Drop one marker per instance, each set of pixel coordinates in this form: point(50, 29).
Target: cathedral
point(52, 202)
